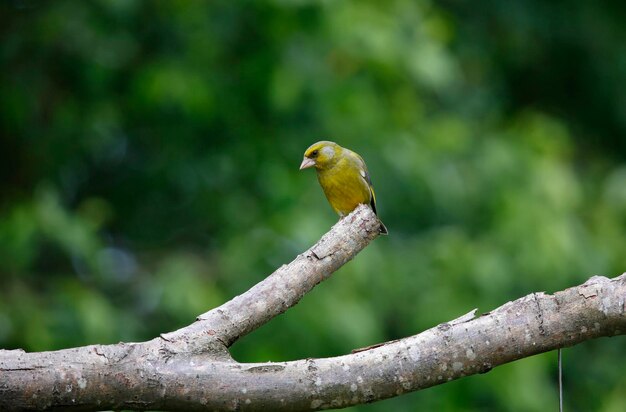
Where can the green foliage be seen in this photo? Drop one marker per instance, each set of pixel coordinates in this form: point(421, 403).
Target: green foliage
point(149, 156)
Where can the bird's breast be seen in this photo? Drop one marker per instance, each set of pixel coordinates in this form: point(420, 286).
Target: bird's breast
point(344, 189)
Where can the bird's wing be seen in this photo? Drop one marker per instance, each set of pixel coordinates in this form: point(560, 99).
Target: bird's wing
point(360, 163)
point(366, 177)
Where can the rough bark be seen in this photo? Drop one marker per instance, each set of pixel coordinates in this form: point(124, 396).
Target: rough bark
point(191, 369)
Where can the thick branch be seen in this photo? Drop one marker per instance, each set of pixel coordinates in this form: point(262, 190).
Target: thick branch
point(189, 369)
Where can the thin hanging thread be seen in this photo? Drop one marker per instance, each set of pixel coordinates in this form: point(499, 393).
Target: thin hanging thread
point(560, 381)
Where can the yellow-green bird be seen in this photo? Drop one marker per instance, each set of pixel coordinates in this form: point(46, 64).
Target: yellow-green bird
point(343, 176)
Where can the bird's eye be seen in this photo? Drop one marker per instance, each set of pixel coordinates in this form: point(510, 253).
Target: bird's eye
point(314, 153)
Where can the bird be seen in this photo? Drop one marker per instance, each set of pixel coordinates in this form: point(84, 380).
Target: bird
point(343, 176)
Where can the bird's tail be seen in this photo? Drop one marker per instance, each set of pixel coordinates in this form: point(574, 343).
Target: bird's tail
point(382, 229)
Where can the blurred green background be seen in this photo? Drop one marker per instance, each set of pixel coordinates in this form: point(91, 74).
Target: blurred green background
point(149, 158)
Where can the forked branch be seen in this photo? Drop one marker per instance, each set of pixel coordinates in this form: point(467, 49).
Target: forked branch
point(191, 368)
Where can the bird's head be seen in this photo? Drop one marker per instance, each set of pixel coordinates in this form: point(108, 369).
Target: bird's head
point(321, 155)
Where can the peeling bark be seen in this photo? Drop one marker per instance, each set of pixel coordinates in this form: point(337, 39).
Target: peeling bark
point(191, 368)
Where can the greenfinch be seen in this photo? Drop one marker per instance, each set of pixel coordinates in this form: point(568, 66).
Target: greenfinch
point(343, 176)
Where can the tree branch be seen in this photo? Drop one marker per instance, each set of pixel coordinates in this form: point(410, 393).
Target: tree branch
point(191, 369)
point(285, 287)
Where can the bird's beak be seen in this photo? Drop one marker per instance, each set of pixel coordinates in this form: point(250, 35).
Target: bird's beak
point(306, 162)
